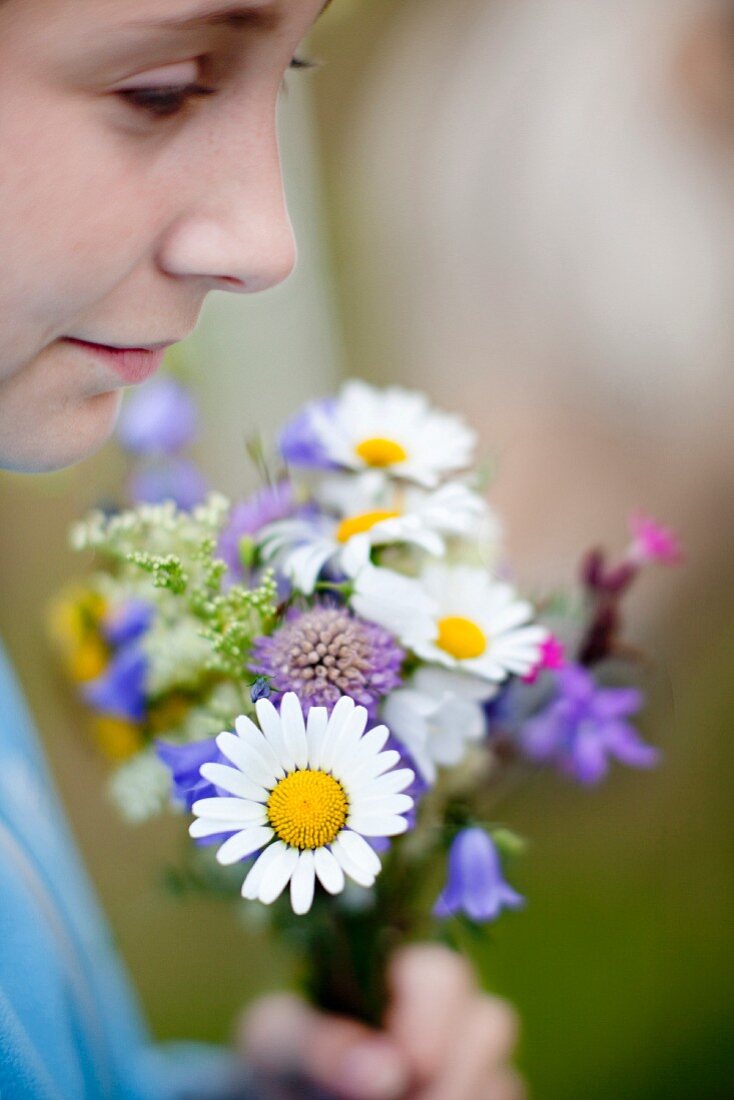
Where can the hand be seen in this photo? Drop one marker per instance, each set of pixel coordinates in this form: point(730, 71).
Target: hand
point(443, 1039)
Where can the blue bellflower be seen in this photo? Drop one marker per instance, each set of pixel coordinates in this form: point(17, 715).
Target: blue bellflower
point(120, 690)
point(584, 726)
point(127, 622)
point(475, 885)
point(184, 762)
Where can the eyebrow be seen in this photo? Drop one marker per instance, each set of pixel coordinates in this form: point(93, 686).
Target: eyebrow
point(232, 15)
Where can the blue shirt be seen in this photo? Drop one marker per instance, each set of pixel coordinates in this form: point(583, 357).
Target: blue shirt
point(70, 1025)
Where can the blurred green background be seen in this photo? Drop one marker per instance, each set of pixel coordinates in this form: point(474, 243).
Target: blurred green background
point(621, 966)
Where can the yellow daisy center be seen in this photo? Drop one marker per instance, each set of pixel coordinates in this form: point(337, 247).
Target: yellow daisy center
point(357, 525)
point(380, 452)
point(308, 809)
point(461, 638)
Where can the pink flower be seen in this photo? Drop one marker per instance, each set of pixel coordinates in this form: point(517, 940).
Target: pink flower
point(552, 656)
point(651, 542)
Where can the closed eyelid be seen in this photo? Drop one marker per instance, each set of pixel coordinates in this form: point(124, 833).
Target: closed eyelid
point(175, 74)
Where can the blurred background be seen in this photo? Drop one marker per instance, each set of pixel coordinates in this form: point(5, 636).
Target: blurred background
point(525, 207)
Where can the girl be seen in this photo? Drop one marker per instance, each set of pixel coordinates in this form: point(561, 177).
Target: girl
point(139, 170)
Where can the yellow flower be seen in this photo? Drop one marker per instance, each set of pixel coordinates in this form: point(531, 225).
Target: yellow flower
point(117, 739)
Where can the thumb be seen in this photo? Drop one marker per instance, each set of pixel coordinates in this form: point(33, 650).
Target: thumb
point(282, 1035)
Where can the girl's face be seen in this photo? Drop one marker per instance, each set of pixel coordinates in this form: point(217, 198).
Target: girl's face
point(139, 169)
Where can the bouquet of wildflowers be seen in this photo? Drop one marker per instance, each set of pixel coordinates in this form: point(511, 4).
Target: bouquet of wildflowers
point(334, 676)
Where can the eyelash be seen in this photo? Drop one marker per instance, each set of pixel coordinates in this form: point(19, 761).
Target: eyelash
point(167, 102)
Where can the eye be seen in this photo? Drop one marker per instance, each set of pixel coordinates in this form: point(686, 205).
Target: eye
point(166, 101)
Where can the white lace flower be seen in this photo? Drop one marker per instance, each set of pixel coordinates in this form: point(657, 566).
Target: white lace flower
point(140, 787)
point(367, 514)
point(479, 624)
point(394, 431)
point(307, 792)
point(437, 715)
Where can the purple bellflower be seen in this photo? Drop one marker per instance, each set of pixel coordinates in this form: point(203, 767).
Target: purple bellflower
point(272, 503)
point(476, 885)
point(120, 690)
point(585, 725)
point(158, 419)
point(300, 443)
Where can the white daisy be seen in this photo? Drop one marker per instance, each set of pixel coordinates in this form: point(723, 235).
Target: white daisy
point(457, 616)
point(397, 602)
point(480, 626)
point(394, 431)
point(308, 793)
point(367, 516)
point(437, 715)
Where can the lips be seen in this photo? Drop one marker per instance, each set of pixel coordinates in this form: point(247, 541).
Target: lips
point(132, 365)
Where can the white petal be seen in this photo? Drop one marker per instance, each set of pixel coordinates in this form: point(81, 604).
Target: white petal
point(391, 783)
point(276, 878)
point(381, 804)
point(252, 765)
point(245, 727)
point(328, 870)
point(294, 728)
point(304, 564)
point(356, 775)
point(337, 718)
point(343, 747)
point(256, 740)
point(254, 877)
point(372, 742)
point(360, 851)
point(207, 826)
point(302, 883)
point(377, 824)
point(243, 844)
point(232, 780)
point(355, 870)
point(316, 724)
point(270, 725)
point(228, 809)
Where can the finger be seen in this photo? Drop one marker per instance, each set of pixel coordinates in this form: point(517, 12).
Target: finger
point(431, 988)
point(474, 1064)
point(282, 1034)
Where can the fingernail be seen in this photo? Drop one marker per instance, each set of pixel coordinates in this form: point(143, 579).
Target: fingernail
point(374, 1071)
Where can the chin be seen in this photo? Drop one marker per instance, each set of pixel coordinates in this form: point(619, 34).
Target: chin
point(67, 437)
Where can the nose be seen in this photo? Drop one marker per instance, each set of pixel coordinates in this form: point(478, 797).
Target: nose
point(235, 232)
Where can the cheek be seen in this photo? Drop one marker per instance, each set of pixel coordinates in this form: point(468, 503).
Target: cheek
point(74, 214)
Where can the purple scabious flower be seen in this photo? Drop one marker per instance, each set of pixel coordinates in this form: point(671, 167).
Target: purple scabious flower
point(272, 503)
point(475, 884)
point(326, 652)
point(300, 442)
point(175, 479)
point(184, 763)
point(120, 690)
point(159, 418)
point(585, 725)
point(127, 622)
